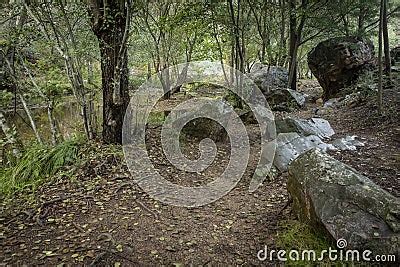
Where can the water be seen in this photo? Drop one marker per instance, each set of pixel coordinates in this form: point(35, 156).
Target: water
point(67, 115)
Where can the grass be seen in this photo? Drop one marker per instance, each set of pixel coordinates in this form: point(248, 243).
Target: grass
point(38, 164)
point(298, 236)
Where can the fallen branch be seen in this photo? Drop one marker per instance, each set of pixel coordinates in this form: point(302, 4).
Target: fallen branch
point(147, 209)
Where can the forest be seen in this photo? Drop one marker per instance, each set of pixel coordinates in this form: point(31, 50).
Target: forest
point(180, 133)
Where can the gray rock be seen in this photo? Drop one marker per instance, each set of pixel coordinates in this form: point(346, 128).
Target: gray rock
point(333, 103)
point(338, 62)
point(313, 126)
point(205, 128)
point(285, 100)
point(269, 78)
point(194, 118)
point(331, 196)
point(347, 143)
point(289, 146)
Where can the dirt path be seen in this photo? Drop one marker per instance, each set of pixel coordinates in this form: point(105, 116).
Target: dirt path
point(104, 218)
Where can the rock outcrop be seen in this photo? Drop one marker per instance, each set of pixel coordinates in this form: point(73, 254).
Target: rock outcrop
point(332, 196)
point(205, 128)
point(338, 62)
point(290, 146)
point(347, 143)
point(313, 126)
point(273, 83)
point(269, 78)
point(285, 100)
point(297, 136)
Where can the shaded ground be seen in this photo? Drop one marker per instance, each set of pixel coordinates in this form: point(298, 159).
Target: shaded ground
point(102, 217)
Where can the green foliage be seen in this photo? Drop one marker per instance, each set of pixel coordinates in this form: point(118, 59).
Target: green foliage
point(38, 163)
point(51, 78)
point(295, 235)
point(5, 98)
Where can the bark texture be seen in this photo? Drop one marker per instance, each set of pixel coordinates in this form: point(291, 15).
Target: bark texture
point(110, 23)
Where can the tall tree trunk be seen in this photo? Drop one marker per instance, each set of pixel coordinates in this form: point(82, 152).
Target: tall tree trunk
point(295, 40)
point(386, 38)
point(110, 24)
point(292, 45)
point(380, 81)
point(282, 41)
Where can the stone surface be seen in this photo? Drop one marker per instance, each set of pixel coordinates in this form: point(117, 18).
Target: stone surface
point(205, 128)
point(333, 197)
point(194, 117)
point(313, 126)
point(338, 62)
point(289, 146)
point(347, 143)
point(285, 100)
point(269, 78)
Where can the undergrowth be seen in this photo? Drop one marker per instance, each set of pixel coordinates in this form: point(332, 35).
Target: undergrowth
point(298, 236)
point(37, 164)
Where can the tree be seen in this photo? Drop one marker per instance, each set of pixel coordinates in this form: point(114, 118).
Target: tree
point(386, 38)
point(380, 81)
point(55, 25)
point(295, 39)
point(110, 23)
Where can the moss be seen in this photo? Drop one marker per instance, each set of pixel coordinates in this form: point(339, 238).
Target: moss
point(295, 235)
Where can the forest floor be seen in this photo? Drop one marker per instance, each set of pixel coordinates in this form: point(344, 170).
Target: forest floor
point(102, 217)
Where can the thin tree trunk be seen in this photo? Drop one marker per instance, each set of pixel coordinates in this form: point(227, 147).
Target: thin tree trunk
point(386, 39)
point(31, 121)
point(380, 86)
point(72, 63)
point(24, 104)
point(220, 53)
point(52, 123)
point(295, 41)
point(282, 49)
point(292, 45)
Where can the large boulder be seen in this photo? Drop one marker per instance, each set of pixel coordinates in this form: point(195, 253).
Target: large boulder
point(196, 122)
point(338, 62)
point(273, 83)
point(289, 146)
point(284, 100)
point(333, 197)
point(313, 126)
point(269, 78)
point(205, 128)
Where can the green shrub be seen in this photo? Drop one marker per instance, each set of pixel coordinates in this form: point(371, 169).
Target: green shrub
point(38, 163)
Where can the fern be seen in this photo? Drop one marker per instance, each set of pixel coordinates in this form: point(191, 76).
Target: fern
point(38, 163)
